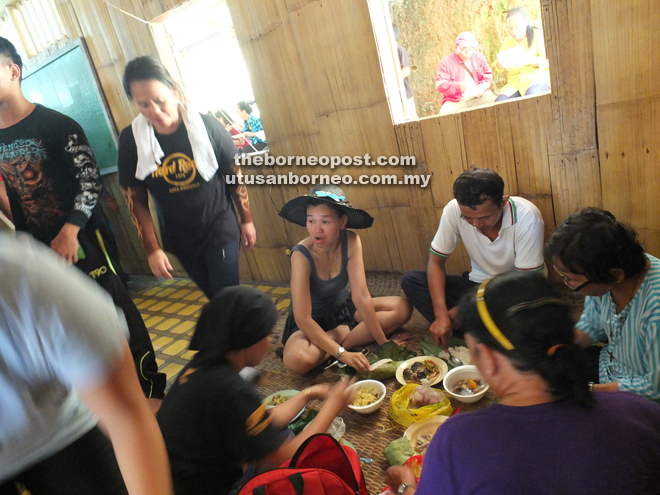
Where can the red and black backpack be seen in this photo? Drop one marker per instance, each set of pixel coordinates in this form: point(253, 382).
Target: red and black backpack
point(321, 466)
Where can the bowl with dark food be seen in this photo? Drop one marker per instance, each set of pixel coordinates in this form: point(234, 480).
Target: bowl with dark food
point(465, 384)
point(416, 369)
point(369, 395)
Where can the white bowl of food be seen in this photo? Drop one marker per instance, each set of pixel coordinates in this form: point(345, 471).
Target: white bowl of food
point(465, 384)
point(369, 394)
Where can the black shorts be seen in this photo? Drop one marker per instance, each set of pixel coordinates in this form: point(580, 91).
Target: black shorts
point(328, 317)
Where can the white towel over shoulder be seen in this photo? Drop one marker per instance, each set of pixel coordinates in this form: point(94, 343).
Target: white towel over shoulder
point(150, 153)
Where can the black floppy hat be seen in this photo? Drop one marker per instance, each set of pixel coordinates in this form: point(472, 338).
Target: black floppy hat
point(295, 211)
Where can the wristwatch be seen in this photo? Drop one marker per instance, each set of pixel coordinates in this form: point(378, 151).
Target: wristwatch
point(340, 351)
point(402, 488)
point(590, 385)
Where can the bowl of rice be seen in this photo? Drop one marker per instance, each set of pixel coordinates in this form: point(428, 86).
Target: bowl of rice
point(369, 395)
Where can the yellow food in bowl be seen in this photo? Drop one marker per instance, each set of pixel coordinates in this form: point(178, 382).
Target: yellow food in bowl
point(364, 398)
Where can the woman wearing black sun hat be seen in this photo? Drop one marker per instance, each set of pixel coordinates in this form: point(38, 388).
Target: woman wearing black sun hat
point(324, 318)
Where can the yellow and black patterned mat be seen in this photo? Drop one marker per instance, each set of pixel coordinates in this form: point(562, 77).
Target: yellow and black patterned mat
point(170, 309)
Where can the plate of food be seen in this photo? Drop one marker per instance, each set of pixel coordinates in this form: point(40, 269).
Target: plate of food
point(280, 398)
point(420, 434)
point(416, 369)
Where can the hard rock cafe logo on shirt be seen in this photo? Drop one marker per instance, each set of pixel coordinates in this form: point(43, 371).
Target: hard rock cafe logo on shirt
point(178, 170)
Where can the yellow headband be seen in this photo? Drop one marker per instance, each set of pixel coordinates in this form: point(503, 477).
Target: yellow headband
point(488, 321)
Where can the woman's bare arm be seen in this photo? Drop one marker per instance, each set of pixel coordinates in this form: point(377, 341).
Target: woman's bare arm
point(359, 290)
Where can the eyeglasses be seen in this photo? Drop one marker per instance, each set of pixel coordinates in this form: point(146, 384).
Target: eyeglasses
point(568, 283)
point(581, 286)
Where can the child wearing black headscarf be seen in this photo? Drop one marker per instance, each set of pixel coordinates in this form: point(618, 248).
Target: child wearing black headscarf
point(213, 422)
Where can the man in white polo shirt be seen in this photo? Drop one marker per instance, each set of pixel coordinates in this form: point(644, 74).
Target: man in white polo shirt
point(500, 233)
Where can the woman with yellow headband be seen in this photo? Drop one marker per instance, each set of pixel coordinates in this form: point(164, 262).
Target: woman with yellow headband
point(548, 434)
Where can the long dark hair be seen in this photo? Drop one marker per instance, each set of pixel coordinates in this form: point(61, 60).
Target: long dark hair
point(592, 243)
point(146, 69)
point(529, 312)
point(520, 12)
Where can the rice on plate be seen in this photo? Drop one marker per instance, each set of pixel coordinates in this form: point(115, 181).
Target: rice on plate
point(461, 352)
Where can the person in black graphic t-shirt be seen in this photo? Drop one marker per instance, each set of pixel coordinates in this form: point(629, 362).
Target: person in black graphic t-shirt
point(183, 159)
point(53, 185)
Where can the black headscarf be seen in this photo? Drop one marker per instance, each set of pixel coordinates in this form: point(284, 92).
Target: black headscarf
point(237, 318)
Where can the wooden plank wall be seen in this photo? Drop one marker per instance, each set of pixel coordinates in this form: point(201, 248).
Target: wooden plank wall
point(628, 112)
point(316, 76)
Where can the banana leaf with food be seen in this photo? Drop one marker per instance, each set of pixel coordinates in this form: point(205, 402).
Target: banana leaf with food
point(390, 353)
point(398, 452)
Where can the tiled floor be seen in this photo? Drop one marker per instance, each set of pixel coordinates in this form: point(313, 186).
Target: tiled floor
point(170, 309)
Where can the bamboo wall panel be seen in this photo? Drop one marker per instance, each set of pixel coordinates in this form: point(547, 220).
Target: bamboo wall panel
point(628, 112)
point(630, 151)
point(575, 183)
point(625, 44)
point(568, 40)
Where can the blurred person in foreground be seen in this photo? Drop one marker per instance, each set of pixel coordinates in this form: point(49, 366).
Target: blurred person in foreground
point(548, 434)
point(53, 186)
point(64, 365)
point(602, 258)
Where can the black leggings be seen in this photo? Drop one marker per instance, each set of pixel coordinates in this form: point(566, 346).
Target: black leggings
point(87, 466)
point(534, 89)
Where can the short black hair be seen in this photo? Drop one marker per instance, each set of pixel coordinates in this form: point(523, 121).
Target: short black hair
point(146, 69)
point(475, 186)
point(8, 51)
point(528, 309)
point(243, 105)
point(592, 243)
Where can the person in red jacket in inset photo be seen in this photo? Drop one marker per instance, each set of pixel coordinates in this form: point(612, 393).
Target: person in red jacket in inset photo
point(464, 77)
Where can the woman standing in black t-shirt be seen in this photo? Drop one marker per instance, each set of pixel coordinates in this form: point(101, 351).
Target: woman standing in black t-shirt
point(183, 159)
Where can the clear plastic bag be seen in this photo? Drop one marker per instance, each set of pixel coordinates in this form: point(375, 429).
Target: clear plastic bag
point(403, 413)
point(337, 428)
